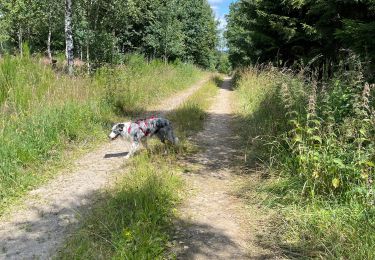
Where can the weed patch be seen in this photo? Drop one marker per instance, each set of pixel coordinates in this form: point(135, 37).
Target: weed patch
point(315, 141)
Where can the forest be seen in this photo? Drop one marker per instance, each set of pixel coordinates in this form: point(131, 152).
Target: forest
point(312, 32)
point(102, 31)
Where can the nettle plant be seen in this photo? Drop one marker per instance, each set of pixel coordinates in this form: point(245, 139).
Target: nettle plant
point(331, 140)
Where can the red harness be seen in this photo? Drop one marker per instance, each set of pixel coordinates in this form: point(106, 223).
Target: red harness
point(138, 122)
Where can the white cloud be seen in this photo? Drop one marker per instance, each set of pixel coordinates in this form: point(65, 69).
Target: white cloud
point(222, 22)
point(216, 9)
point(213, 2)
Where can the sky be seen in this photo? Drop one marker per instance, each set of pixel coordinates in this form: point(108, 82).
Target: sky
point(221, 8)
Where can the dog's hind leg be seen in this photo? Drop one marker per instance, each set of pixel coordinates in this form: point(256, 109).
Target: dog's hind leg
point(161, 135)
point(170, 135)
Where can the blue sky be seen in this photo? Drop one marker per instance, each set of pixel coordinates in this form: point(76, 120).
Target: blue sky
point(221, 8)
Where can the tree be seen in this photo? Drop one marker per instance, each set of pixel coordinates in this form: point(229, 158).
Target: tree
point(69, 36)
point(165, 36)
point(286, 31)
point(200, 28)
point(103, 30)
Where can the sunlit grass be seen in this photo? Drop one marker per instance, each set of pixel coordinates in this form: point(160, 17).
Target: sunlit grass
point(45, 113)
point(275, 120)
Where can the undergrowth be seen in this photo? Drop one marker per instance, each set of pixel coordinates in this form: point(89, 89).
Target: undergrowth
point(134, 220)
point(315, 139)
point(44, 113)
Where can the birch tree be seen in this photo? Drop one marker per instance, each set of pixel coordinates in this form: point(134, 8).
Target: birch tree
point(69, 36)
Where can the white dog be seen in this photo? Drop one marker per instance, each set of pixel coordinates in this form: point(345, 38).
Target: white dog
point(140, 130)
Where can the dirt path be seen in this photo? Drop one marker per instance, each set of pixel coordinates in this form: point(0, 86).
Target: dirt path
point(214, 224)
point(50, 213)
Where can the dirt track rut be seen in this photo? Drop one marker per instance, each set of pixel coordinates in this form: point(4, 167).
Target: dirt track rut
point(213, 223)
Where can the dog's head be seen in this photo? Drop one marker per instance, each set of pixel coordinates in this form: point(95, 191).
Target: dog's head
point(117, 130)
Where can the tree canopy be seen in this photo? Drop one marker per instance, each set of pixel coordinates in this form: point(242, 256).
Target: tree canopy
point(285, 31)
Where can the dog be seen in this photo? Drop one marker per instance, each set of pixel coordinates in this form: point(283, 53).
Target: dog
point(141, 130)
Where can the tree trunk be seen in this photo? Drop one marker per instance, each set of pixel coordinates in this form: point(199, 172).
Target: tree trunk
point(20, 41)
point(49, 44)
point(165, 48)
point(2, 48)
point(88, 57)
point(69, 36)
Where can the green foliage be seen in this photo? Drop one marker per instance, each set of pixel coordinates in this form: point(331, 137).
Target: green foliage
point(223, 64)
point(201, 33)
point(165, 36)
point(323, 135)
point(102, 30)
point(284, 32)
point(316, 142)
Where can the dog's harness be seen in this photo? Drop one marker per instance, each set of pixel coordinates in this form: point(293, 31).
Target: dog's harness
point(139, 122)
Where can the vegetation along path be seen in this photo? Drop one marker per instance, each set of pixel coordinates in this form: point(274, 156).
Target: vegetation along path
point(213, 223)
point(50, 213)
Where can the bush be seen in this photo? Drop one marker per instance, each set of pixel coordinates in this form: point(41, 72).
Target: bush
point(323, 134)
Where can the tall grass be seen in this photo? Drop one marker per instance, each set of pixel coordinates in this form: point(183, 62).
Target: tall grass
point(319, 137)
point(44, 113)
point(134, 220)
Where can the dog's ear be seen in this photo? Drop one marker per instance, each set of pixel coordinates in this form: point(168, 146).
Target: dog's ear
point(121, 126)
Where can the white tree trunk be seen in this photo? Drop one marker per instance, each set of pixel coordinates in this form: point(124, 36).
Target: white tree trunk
point(49, 44)
point(69, 36)
point(20, 40)
point(88, 57)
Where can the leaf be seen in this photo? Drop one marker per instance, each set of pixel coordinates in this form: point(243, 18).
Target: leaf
point(336, 183)
point(339, 162)
point(363, 132)
point(370, 164)
point(317, 138)
point(297, 139)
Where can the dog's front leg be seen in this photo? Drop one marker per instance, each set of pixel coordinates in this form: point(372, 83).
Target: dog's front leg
point(133, 149)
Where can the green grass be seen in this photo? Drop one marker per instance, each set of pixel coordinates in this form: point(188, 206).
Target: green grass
point(301, 142)
point(134, 220)
point(45, 114)
point(189, 117)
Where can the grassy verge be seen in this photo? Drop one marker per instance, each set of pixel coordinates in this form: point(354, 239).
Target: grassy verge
point(45, 114)
point(313, 161)
point(133, 221)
